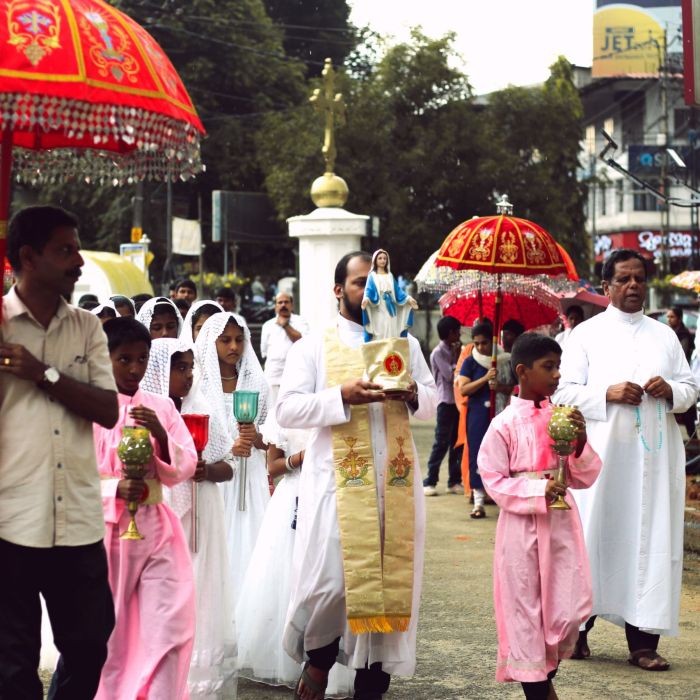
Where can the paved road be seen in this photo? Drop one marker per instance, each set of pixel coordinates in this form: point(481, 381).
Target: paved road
point(457, 634)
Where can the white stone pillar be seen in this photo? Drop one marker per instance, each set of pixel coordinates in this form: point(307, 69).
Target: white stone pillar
point(325, 235)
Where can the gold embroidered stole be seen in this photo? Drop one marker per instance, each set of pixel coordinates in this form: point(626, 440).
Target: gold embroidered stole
point(378, 579)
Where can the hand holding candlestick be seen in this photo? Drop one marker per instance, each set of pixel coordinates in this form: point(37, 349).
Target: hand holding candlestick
point(564, 430)
point(198, 425)
point(135, 452)
point(245, 409)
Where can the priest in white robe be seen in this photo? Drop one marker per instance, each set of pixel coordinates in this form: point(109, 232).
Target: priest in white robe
point(628, 375)
point(317, 623)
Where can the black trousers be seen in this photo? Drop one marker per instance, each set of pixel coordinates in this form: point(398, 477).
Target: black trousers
point(370, 682)
point(446, 429)
point(74, 583)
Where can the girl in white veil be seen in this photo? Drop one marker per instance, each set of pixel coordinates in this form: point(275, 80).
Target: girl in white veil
point(149, 310)
point(226, 361)
point(212, 672)
point(199, 311)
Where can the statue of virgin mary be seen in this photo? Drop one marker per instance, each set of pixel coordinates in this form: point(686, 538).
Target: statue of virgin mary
point(387, 311)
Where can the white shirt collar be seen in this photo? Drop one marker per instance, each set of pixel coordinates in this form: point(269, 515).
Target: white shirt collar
point(623, 316)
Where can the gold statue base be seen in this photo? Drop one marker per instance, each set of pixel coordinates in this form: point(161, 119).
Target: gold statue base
point(387, 362)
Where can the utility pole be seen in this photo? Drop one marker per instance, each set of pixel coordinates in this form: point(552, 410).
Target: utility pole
point(693, 140)
point(665, 183)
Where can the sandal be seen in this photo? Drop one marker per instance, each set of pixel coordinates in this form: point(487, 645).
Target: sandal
point(478, 513)
point(648, 660)
point(311, 683)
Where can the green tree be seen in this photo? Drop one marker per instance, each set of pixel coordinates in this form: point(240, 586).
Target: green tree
point(314, 30)
point(410, 149)
point(533, 136)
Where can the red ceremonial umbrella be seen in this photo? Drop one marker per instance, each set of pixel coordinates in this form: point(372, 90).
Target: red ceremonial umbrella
point(87, 94)
point(531, 311)
point(518, 254)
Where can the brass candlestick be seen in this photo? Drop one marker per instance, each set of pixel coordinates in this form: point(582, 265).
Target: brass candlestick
point(563, 431)
point(135, 452)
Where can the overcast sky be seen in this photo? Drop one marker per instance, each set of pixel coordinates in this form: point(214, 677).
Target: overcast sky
point(502, 41)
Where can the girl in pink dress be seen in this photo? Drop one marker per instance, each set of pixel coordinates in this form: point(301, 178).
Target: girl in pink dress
point(541, 578)
point(151, 579)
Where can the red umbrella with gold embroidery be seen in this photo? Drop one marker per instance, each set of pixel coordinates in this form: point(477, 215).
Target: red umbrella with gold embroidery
point(87, 94)
point(493, 254)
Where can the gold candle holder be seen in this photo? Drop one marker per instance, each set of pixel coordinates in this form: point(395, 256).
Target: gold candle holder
point(564, 432)
point(135, 452)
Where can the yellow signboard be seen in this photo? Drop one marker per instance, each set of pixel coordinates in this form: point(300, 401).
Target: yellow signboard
point(626, 40)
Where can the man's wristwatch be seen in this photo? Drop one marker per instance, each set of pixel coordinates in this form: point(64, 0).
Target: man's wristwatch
point(50, 377)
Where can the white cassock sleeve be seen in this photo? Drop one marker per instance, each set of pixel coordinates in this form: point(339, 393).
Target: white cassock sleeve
point(427, 391)
point(300, 405)
point(573, 386)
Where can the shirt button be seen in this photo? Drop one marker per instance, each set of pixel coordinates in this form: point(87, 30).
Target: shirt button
point(56, 432)
point(51, 399)
point(60, 498)
point(59, 465)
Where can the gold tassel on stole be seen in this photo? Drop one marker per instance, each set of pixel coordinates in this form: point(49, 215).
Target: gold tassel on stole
point(378, 591)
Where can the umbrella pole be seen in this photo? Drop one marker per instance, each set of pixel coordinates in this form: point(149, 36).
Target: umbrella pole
point(494, 345)
point(480, 301)
point(5, 171)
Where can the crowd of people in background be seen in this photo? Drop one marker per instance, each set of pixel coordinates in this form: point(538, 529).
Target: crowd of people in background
point(236, 576)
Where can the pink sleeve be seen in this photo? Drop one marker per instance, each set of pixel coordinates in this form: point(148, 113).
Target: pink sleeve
point(110, 474)
point(584, 469)
point(183, 456)
point(514, 494)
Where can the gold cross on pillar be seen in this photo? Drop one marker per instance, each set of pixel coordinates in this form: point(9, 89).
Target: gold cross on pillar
point(331, 106)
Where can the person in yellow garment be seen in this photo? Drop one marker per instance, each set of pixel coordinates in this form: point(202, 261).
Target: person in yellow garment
point(358, 555)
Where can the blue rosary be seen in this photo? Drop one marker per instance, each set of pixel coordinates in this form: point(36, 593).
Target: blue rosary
point(638, 426)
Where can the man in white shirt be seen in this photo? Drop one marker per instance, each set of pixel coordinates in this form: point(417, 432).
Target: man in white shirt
point(325, 589)
point(55, 382)
point(277, 337)
point(628, 375)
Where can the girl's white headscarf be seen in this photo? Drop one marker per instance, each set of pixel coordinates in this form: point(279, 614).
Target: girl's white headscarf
point(157, 381)
point(107, 305)
point(157, 377)
point(145, 314)
point(186, 332)
point(223, 431)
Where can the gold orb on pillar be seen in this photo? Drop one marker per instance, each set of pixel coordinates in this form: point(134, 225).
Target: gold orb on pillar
point(329, 190)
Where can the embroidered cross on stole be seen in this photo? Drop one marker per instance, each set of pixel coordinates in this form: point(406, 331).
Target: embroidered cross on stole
point(378, 574)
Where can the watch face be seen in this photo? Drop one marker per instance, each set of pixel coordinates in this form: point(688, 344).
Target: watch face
point(52, 375)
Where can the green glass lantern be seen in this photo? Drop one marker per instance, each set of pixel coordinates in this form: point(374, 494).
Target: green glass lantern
point(245, 409)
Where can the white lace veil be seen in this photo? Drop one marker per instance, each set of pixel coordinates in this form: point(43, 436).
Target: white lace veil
point(223, 430)
point(157, 377)
point(157, 381)
point(186, 332)
point(145, 314)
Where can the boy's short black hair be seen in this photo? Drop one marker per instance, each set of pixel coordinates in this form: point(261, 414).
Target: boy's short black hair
point(187, 284)
point(139, 300)
point(446, 325)
point(182, 304)
point(87, 297)
point(107, 312)
point(513, 326)
point(204, 310)
point(574, 309)
point(530, 347)
point(485, 329)
point(34, 226)
point(225, 293)
point(124, 329)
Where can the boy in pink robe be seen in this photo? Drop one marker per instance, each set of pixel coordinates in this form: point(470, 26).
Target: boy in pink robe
point(151, 579)
point(541, 577)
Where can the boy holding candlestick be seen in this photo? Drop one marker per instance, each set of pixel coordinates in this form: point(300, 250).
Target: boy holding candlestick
point(542, 587)
point(150, 649)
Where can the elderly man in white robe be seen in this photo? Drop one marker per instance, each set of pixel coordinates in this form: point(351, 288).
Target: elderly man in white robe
point(318, 626)
point(628, 375)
